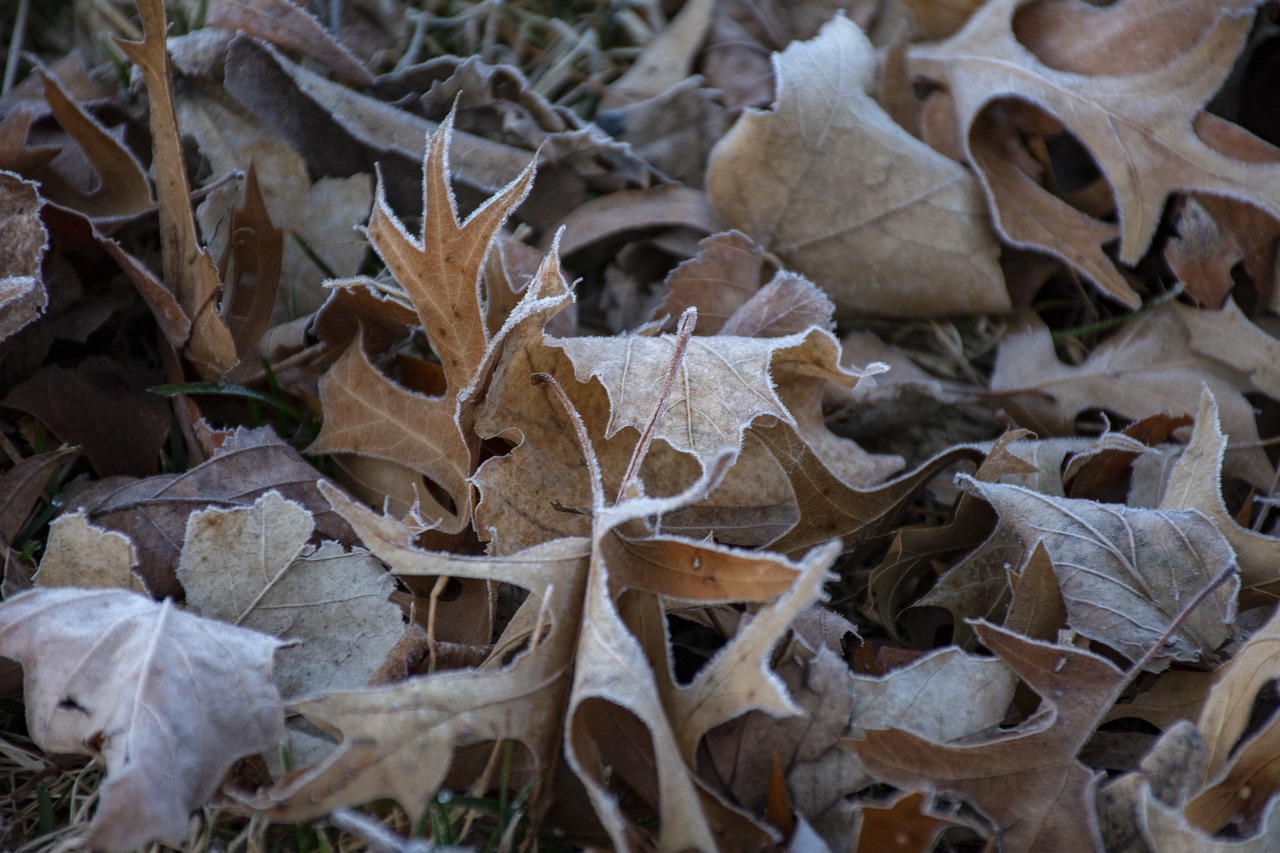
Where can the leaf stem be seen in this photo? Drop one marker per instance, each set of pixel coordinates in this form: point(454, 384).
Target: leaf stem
point(1120, 319)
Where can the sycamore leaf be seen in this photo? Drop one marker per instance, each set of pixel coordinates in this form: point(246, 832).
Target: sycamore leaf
point(1196, 483)
point(189, 271)
point(1133, 110)
point(1125, 573)
point(1145, 368)
point(169, 701)
point(1028, 779)
point(850, 199)
point(251, 566)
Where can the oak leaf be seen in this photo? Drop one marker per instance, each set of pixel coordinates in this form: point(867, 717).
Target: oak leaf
point(1196, 483)
point(1132, 109)
point(1145, 368)
point(440, 272)
point(843, 195)
point(167, 699)
point(1240, 775)
point(189, 271)
point(1027, 779)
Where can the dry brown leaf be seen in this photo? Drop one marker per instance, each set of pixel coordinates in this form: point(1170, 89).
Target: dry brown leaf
point(78, 554)
point(1167, 829)
point(1196, 483)
point(1133, 109)
point(1027, 780)
point(1145, 368)
point(744, 372)
point(902, 824)
point(666, 60)
point(293, 28)
point(168, 700)
point(1036, 609)
point(23, 297)
point(122, 190)
point(1240, 776)
point(24, 486)
point(1125, 574)
point(1214, 236)
point(323, 214)
point(252, 566)
point(843, 195)
point(101, 405)
point(153, 511)
point(440, 271)
point(189, 271)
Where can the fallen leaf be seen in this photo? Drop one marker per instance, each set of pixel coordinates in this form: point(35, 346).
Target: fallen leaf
point(168, 700)
point(153, 511)
point(1145, 368)
point(23, 296)
point(252, 567)
point(189, 271)
point(103, 407)
point(1133, 110)
point(903, 823)
point(440, 272)
point(1125, 574)
point(903, 218)
point(77, 554)
point(1027, 780)
point(1240, 777)
point(1196, 483)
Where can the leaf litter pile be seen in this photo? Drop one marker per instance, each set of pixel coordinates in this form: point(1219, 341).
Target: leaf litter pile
point(640, 425)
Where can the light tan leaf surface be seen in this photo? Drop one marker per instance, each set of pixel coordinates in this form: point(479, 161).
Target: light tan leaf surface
point(1136, 122)
point(81, 555)
point(189, 271)
point(1145, 368)
point(252, 567)
point(1167, 829)
point(1027, 779)
point(1240, 777)
point(744, 372)
point(846, 197)
point(1126, 573)
point(169, 701)
point(23, 296)
point(1196, 483)
point(399, 741)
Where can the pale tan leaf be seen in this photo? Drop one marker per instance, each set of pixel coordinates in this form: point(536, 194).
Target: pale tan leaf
point(169, 701)
point(189, 271)
point(1125, 574)
point(81, 555)
point(1196, 483)
point(1026, 779)
point(846, 197)
point(1135, 118)
point(251, 566)
point(1145, 368)
point(744, 372)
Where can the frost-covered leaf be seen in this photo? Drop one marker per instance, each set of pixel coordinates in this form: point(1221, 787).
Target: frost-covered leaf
point(168, 700)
